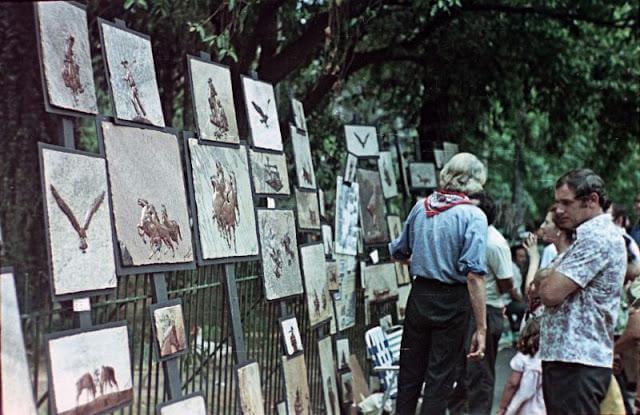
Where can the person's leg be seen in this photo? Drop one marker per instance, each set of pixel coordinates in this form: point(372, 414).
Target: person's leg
point(458, 400)
point(574, 389)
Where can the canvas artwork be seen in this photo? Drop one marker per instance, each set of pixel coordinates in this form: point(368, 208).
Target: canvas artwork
point(315, 280)
point(308, 210)
point(249, 387)
point(327, 240)
point(403, 297)
point(262, 114)
point(90, 371)
point(328, 373)
point(345, 302)
point(291, 335)
point(66, 56)
point(387, 175)
point(192, 404)
point(438, 155)
point(395, 226)
point(296, 385)
point(304, 164)
point(132, 76)
point(14, 368)
point(346, 387)
point(346, 221)
point(379, 281)
point(280, 263)
point(423, 175)
point(449, 150)
point(342, 352)
point(332, 275)
point(78, 222)
point(168, 327)
point(213, 105)
point(299, 118)
point(150, 213)
point(224, 201)
point(269, 173)
point(362, 140)
point(373, 211)
point(350, 168)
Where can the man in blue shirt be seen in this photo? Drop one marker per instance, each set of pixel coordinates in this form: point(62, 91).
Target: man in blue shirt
point(444, 238)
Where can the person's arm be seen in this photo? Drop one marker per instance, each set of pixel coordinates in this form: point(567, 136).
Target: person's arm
point(631, 334)
point(531, 245)
point(505, 285)
point(400, 248)
point(478, 297)
point(510, 388)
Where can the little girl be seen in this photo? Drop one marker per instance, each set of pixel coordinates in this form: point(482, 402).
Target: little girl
point(523, 392)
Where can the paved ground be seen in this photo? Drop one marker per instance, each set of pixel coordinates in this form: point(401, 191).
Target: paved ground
point(502, 374)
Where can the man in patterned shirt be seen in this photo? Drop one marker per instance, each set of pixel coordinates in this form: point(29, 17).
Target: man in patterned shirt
point(581, 294)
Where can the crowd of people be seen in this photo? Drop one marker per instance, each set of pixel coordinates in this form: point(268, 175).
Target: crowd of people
point(570, 303)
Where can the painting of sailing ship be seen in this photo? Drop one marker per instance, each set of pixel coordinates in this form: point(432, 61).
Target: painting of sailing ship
point(379, 281)
point(269, 173)
point(262, 114)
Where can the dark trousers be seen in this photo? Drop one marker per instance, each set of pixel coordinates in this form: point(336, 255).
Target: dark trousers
point(432, 342)
point(574, 389)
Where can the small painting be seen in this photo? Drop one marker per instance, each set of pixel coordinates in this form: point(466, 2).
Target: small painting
point(213, 105)
point(422, 175)
point(327, 240)
point(78, 218)
point(269, 173)
point(131, 75)
point(192, 404)
point(346, 220)
point(438, 155)
point(66, 56)
point(150, 213)
point(262, 114)
point(373, 211)
point(170, 337)
point(97, 363)
point(314, 271)
point(291, 336)
point(346, 387)
point(403, 297)
point(296, 385)
point(332, 275)
point(14, 368)
point(395, 226)
point(250, 389)
point(362, 140)
point(449, 150)
point(299, 119)
point(342, 352)
point(387, 175)
point(350, 168)
point(308, 210)
point(304, 164)
point(328, 373)
point(379, 281)
point(345, 302)
point(280, 262)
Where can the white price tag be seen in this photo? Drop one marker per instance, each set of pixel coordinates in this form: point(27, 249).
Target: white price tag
point(81, 304)
point(271, 203)
point(375, 256)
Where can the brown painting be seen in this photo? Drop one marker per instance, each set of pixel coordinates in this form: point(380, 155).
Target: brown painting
point(373, 211)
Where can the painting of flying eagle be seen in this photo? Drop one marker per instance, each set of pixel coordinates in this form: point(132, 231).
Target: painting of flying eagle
point(262, 113)
point(362, 140)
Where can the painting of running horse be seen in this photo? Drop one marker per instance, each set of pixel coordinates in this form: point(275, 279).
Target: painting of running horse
point(170, 336)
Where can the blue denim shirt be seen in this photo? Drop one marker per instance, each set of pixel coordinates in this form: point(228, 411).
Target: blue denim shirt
point(445, 247)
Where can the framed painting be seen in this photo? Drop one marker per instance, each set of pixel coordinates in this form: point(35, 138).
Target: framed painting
point(342, 352)
point(449, 150)
point(346, 387)
point(14, 368)
point(299, 119)
point(314, 271)
point(131, 75)
point(150, 213)
point(308, 210)
point(373, 210)
point(65, 58)
point(78, 222)
point(328, 373)
point(262, 113)
point(387, 175)
point(169, 334)
point(226, 227)
point(250, 389)
point(438, 155)
point(346, 220)
point(305, 172)
point(345, 302)
point(97, 362)
point(269, 174)
point(212, 97)
point(422, 176)
point(279, 247)
point(291, 335)
point(395, 226)
point(379, 281)
point(332, 275)
point(327, 240)
point(403, 297)
point(192, 404)
point(350, 168)
point(362, 140)
point(296, 385)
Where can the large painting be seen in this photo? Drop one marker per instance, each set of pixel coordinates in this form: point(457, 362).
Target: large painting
point(291, 335)
point(422, 175)
point(250, 389)
point(304, 164)
point(169, 334)
point(402, 270)
point(213, 105)
point(15, 382)
point(299, 119)
point(224, 201)
point(148, 196)
point(192, 404)
point(362, 140)
point(296, 385)
point(373, 211)
point(328, 374)
point(387, 175)
point(262, 113)
point(97, 363)
point(314, 269)
point(269, 173)
point(346, 227)
point(280, 263)
point(78, 220)
point(308, 210)
point(131, 74)
point(379, 281)
point(66, 56)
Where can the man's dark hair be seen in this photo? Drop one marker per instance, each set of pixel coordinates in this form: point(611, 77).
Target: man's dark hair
point(583, 182)
point(515, 248)
point(486, 204)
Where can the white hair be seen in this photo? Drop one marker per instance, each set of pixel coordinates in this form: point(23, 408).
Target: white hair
point(464, 173)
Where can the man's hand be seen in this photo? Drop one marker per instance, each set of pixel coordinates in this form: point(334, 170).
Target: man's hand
point(478, 345)
point(402, 261)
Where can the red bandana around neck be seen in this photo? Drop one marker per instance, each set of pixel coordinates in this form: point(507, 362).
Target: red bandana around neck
point(442, 200)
